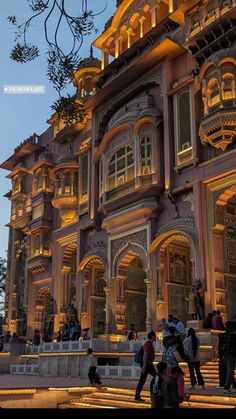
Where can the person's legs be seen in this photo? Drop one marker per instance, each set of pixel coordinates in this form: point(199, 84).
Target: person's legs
point(150, 369)
point(142, 380)
point(200, 380)
point(192, 375)
point(91, 374)
point(222, 372)
point(229, 361)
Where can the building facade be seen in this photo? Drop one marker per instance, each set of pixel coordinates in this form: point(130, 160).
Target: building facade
point(115, 218)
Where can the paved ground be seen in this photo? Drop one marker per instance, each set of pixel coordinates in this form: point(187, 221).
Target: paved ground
point(34, 381)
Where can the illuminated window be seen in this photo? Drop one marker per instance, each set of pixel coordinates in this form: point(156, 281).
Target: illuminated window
point(145, 155)
point(36, 245)
point(67, 182)
point(228, 87)
point(213, 92)
point(46, 244)
point(121, 168)
point(16, 184)
point(39, 181)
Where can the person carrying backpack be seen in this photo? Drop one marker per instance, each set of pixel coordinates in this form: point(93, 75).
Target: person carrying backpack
point(146, 364)
point(156, 393)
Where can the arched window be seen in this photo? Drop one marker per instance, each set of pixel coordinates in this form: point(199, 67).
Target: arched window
point(36, 245)
point(16, 184)
point(39, 181)
point(121, 168)
point(213, 92)
point(145, 155)
point(67, 182)
point(228, 86)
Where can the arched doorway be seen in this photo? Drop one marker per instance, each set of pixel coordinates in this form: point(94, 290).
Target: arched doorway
point(131, 289)
point(224, 248)
point(44, 310)
point(175, 276)
point(68, 286)
point(94, 297)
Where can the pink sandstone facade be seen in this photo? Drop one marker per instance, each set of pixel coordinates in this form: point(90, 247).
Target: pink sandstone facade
point(119, 215)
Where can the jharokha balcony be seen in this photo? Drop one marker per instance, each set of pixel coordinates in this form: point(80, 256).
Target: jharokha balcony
point(65, 177)
point(219, 128)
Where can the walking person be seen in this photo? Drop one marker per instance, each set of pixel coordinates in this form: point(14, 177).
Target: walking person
point(227, 344)
point(191, 346)
point(146, 364)
point(94, 377)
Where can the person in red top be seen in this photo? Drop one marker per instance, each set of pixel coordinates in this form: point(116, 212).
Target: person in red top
point(146, 365)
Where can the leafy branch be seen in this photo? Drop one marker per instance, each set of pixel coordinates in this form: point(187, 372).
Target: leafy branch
point(61, 65)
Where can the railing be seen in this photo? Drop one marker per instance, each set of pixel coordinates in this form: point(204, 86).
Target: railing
point(96, 344)
point(24, 369)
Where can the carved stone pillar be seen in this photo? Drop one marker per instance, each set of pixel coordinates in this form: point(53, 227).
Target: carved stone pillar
point(108, 294)
point(148, 283)
point(84, 295)
point(120, 304)
point(160, 280)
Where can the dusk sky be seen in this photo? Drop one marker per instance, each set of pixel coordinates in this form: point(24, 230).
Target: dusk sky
point(22, 115)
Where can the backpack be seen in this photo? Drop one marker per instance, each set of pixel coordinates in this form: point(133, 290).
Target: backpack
point(139, 355)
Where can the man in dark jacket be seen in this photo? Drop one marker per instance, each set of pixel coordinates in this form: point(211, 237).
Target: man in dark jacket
point(227, 350)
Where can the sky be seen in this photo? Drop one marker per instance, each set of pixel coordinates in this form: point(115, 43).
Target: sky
point(22, 115)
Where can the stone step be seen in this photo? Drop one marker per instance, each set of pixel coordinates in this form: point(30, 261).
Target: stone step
point(112, 403)
point(103, 400)
point(82, 405)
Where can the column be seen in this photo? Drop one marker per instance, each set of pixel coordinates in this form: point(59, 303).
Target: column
point(72, 177)
point(108, 294)
point(63, 184)
point(105, 57)
point(117, 47)
point(44, 175)
point(154, 16)
point(130, 33)
point(141, 20)
point(148, 283)
point(160, 281)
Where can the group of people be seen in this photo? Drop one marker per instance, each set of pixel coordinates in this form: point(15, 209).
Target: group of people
point(167, 387)
point(69, 331)
point(9, 338)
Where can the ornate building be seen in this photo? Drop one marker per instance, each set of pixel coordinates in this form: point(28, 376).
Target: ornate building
point(117, 217)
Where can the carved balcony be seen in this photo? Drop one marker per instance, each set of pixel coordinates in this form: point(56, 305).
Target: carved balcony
point(67, 206)
point(219, 128)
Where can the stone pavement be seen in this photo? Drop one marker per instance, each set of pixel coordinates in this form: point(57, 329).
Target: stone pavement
point(34, 381)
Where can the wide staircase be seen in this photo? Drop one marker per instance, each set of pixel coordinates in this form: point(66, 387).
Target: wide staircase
point(113, 398)
point(210, 374)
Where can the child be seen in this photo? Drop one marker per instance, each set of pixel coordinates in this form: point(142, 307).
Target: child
point(170, 389)
point(94, 377)
point(156, 386)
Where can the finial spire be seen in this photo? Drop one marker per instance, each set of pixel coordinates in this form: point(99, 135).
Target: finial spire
point(91, 52)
